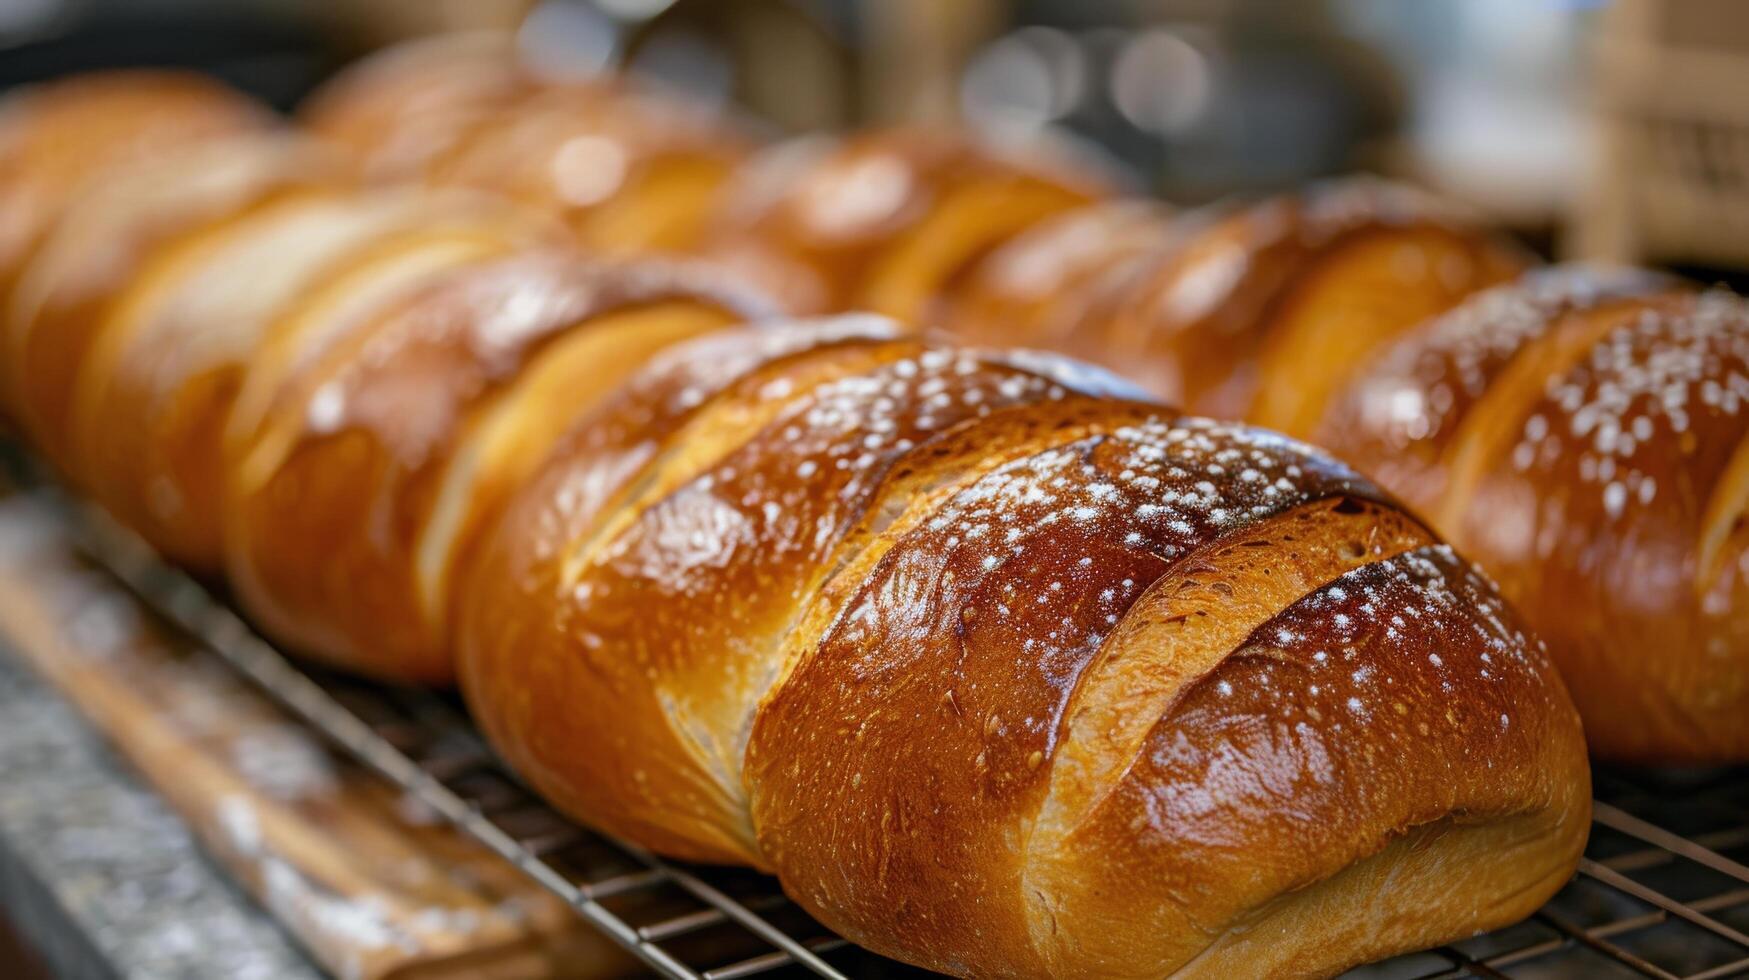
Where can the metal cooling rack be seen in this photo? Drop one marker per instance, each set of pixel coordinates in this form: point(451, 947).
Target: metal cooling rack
point(1663, 890)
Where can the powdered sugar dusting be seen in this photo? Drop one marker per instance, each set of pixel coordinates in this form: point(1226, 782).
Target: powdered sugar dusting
point(1395, 637)
point(1161, 488)
point(1420, 387)
point(1665, 380)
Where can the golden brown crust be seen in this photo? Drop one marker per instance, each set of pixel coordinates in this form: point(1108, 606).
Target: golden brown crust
point(104, 240)
point(647, 439)
point(352, 499)
point(887, 220)
point(948, 847)
point(1004, 668)
point(1398, 420)
point(57, 137)
point(395, 261)
point(154, 397)
point(1595, 521)
point(629, 170)
point(396, 111)
point(726, 558)
point(1581, 439)
point(1322, 710)
point(1259, 311)
point(1048, 286)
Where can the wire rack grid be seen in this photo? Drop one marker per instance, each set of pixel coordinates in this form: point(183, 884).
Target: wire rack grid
point(1663, 890)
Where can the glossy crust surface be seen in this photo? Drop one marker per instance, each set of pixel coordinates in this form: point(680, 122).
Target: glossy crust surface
point(1006, 673)
point(361, 487)
point(629, 169)
point(1258, 311)
point(886, 220)
point(1581, 435)
point(1401, 417)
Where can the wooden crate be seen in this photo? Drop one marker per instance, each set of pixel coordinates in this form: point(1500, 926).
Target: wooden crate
point(1671, 178)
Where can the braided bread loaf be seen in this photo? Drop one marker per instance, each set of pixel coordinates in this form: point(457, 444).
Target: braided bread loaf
point(1006, 672)
point(1581, 434)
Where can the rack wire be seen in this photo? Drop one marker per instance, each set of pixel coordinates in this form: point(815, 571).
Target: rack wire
point(1663, 889)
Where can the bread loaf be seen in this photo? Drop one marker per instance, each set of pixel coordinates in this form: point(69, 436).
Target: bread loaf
point(1580, 434)
point(1256, 311)
point(629, 169)
point(1005, 671)
point(355, 495)
point(886, 220)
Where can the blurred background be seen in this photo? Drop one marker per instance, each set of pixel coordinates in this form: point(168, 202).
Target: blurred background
point(1527, 108)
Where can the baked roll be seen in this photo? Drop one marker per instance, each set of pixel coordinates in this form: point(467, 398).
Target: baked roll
point(154, 397)
point(354, 496)
point(1005, 671)
point(1260, 311)
point(629, 169)
point(1581, 434)
point(885, 220)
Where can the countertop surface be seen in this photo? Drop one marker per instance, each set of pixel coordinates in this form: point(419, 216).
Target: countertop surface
point(98, 875)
